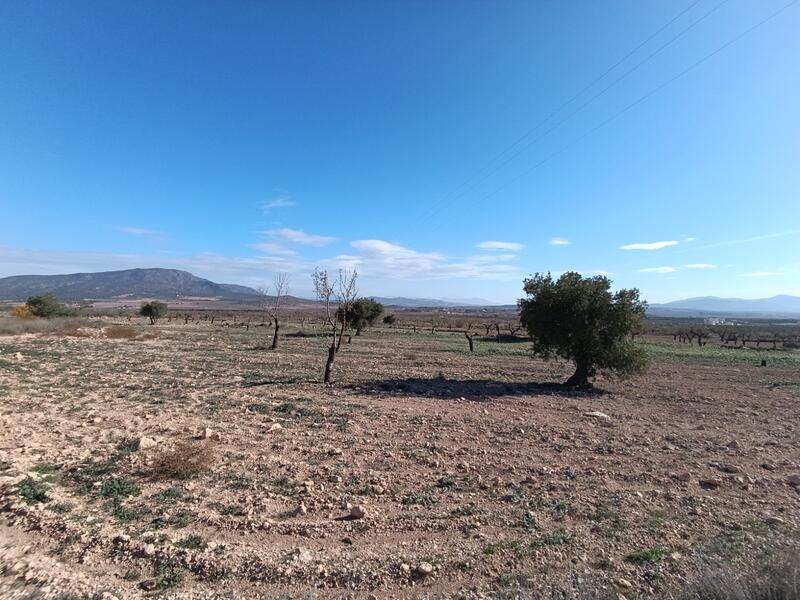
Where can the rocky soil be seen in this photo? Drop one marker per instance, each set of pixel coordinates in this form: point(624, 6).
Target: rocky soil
point(190, 462)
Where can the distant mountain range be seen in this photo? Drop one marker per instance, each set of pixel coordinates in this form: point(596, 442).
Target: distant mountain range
point(776, 306)
point(167, 284)
point(163, 284)
point(430, 302)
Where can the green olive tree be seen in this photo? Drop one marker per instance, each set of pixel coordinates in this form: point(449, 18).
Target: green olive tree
point(578, 318)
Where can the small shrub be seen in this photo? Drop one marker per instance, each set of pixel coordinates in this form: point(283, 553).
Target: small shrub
point(45, 468)
point(186, 460)
point(47, 306)
point(171, 495)
point(118, 487)
point(420, 498)
point(650, 555)
point(169, 574)
point(192, 542)
point(33, 491)
point(23, 311)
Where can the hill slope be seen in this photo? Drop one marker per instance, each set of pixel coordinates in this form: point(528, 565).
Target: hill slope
point(136, 283)
point(712, 305)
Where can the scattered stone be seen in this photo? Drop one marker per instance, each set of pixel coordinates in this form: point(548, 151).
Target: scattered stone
point(727, 468)
point(209, 434)
point(424, 569)
point(145, 443)
point(148, 585)
point(303, 555)
point(601, 418)
point(710, 484)
point(275, 427)
point(768, 466)
point(358, 512)
point(302, 509)
point(624, 583)
point(774, 521)
point(794, 480)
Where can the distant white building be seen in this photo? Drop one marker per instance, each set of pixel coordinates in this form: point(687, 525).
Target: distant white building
point(714, 321)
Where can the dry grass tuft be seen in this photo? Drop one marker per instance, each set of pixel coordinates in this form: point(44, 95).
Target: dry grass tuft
point(778, 578)
point(120, 332)
point(22, 312)
point(66, 326)
point(185, 460)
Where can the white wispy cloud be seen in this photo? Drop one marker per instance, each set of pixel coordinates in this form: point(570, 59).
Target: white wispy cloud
point(602, 272)
point(658, 270)
point(142, 231)
point(267, 206)
point(494, 245)
point(381, 259)
point(559, 241)
point(757, 238)
point(760, 274)
point(700, 266)
point(649, 245)
point(298, 236)
point(272, 249)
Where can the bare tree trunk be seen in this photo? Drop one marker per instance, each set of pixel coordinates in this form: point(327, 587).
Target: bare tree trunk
point(469, 339)
point(339, 341)
point(331, 357)
point(275, 335)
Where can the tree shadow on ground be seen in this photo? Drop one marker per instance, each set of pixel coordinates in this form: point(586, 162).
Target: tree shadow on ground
point(467, 389)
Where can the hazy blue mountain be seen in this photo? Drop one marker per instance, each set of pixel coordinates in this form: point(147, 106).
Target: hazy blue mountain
point(430, 302)
point(136, 283)
point(711, 305)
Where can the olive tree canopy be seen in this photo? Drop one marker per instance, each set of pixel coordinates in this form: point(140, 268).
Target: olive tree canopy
point(578, 318)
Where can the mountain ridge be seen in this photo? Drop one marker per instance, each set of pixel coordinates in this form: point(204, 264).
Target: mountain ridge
point(147, 283)
point(779, 305)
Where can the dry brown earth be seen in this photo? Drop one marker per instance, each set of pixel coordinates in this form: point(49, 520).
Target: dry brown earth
point(474, 481)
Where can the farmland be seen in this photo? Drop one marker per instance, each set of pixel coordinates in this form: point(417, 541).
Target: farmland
point(187, 460)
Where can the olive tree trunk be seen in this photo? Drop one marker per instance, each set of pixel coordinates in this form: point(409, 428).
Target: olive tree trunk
point(580, 378)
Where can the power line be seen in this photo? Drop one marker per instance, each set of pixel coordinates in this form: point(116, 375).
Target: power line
point(434, 208)
point(639, 100)
point(575, 96)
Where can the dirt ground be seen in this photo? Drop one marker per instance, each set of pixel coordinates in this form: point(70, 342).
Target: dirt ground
point(191, 462)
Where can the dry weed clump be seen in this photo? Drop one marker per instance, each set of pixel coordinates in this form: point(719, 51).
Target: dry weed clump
point(120, 332)
point(66, 326)
point(22, 311)
point(187, 459)
point(772, 578)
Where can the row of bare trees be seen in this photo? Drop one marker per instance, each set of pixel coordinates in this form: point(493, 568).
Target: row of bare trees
point(737, 336)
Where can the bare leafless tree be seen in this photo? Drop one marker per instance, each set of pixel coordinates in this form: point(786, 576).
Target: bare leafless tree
point(273, 302)
point(470, 335)
point(336, 296)
point(513, 328)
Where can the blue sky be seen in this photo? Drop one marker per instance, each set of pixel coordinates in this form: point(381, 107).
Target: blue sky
point(445, 149)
